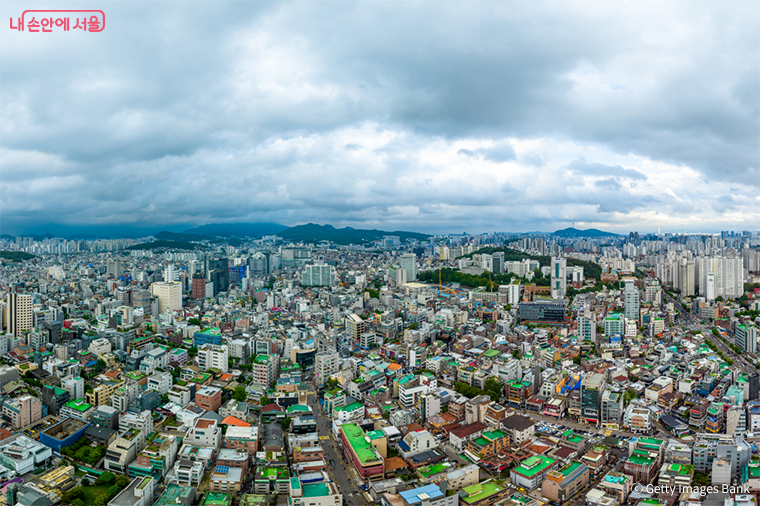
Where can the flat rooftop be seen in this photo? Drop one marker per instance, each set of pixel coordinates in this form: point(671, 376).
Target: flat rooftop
point(358, 441)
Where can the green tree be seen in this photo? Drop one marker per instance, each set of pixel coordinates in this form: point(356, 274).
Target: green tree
point(85, 482)
point(106, 478)
point(195, 321)
point(100, 365)
point(240, 394)
point(264, 400)
point(285, 423)
point(122, 481)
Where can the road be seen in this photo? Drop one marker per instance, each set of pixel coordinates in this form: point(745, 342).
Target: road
point(694, 324)
point(342, 473)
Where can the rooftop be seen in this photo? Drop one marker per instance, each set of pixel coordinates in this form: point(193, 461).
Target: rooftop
point(534, 465)
point(358, 441)
point(316, 490)
point(475, 493)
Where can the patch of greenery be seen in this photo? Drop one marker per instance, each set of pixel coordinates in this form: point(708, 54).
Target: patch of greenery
point(16, 256)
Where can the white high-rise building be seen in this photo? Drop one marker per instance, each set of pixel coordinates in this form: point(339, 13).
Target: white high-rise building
point(631, 300)
point(514, 293)
point(559, 277)
point(709, 289)
point(169, 295)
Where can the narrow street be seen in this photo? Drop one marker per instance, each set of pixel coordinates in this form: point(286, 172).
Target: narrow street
point(342, 472)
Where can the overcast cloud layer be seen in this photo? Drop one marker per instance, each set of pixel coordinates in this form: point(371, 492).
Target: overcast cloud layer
point(437, 117)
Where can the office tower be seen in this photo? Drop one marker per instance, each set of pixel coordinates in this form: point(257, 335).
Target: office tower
point(498, 262)
point(19, 311)
point(199, 286)
point(258, 265)
point(592, 390)
point(559, 278)
point(355, 326)
point(217, 270)
point(631, 300)
point(169, 296)
point(53, 331)
point(113, 268)
point(408, 261)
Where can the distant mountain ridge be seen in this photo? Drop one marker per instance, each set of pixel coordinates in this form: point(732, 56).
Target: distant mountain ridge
point(254, 230)
point(312, 232)
point(591, 232)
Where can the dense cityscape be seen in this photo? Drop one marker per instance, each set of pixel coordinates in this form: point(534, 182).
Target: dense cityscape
point(452, 370)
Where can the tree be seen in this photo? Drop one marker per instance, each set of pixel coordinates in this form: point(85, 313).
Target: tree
point(114, 491)
point(516, 354)
point(195, 321)
point(122, 481)
point(85, 482)
point(106, 478)
point(285, 423)
point(264, 400)
point(240, 394)
point(100, 365)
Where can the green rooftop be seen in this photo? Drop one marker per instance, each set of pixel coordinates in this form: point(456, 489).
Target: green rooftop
point(213, 331)
point(351, 407)
point(278, 473)
point(640, 458)
point(434, 469)
point(534, 465)
point(476, 493)
point(493, 434)
point(681, 469)
point(217, 499)
point(376, 434)
point(570, 468)
point(363, 448)
point(316, 490)
point(79, 405)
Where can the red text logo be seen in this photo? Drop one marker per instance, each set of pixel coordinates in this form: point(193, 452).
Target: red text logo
point(47, 21)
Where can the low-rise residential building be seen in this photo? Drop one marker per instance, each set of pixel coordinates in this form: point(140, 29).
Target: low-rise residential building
point(242, 438)
point(205, 432)
point(531, 473)
point(78, 409)
point(124, 450)
point(157, 458)
point(226, 479)
point(566, 482)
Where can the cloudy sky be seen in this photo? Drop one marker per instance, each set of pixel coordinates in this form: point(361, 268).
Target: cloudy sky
point(430, 116)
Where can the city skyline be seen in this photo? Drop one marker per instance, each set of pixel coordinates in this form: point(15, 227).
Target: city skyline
point(420, 117)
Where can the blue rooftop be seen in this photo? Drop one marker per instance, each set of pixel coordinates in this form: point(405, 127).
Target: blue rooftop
point(413, 496)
